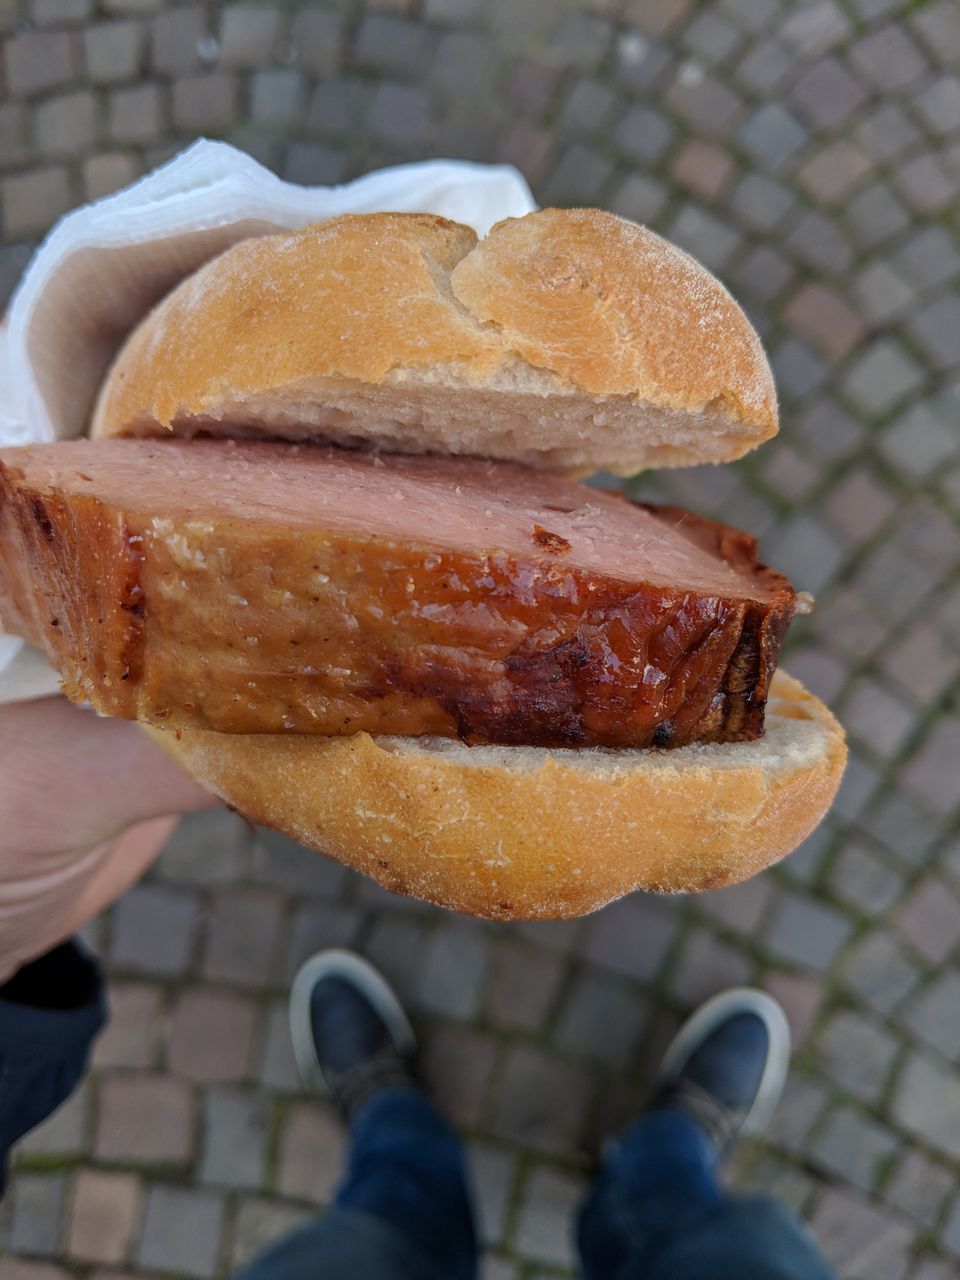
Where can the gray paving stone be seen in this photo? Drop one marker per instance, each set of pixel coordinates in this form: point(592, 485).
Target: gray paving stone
point(277, 95)
point(863, 1241)
point(395, 944)
point(643, 134)
point(858, 1054)
point(711, 37)
point(494, 1173)
point(213, 847)
point(66, 1132)
point(934, 328)
point(800, 997)
point(878, 970)
point(767, 66)
point(602, 1019)
point(465, 65)
point(761, 202)
point(861, 880)
point(919, 1187)
point(258, 1223)
point(938, 27)
point(930, 919)
point(801, 1106)
point(458, 1065)
point(806, 551)
point(706, 965)
point(284, 864)
point(882, 377)
point(920, 441)
point(542, 1101)
point(798, 369)
point(933, 1014)
point(181, 1231)
point(875, 214)
point(581, 41)
point(587, 108)
point(639, 198)
point(278, 1068)
point(547, 1211)
point(930, 773)
point(523, 984)
point(153, 929)
point(826, 94)
point(315, 927)
point(854, 1147)
point(317, 39)
point(400, 116)
point(813, 29)
point(928, 258)
point(248, 34)
point(771, 136)
point(766, 1173)
point(175, 36)
point(806, 932)
point(243, 936)
point(37, 1212)
point(764, 272)
point(453, 972)
point(927, 1103)
point(919, 661)
point(951, 1230)
point(235, 1129)
point(710, 107)
point(739, 908)
point(311, 1159)
point(631, 937)
point(926, 184)
point(391, 45)
point(578, 177)
point(708, 238)
point(213, 1036)
point(888, 58)
point(882, 292)
point(144, 1119)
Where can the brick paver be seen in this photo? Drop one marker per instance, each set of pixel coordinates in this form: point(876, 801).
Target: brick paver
point(809, 151)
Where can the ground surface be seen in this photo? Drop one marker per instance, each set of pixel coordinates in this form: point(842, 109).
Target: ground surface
point(809, 153)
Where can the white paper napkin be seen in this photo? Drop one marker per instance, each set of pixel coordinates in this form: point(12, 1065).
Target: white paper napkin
point(103, 266)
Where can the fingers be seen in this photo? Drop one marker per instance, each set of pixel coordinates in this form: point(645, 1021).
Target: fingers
point(69, 779)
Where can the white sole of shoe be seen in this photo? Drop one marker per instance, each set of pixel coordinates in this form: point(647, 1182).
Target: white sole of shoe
point(359, 973)
point(709, 1016)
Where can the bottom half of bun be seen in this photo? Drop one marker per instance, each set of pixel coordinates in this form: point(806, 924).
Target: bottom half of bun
point(527, 833)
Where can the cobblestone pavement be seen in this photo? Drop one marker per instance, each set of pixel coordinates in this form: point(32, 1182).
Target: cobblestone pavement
point(809, 152)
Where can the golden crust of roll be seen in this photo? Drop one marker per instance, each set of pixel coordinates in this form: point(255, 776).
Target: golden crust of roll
point(570, 339)
point(527, 833)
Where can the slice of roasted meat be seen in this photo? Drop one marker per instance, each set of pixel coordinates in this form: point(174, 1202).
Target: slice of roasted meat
point(268, 588)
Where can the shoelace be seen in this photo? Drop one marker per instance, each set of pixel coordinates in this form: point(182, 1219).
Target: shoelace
point(351, 1087)
point(720, 1123)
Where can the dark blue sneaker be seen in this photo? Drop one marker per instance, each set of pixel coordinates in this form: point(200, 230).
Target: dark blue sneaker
point(351, 1037)
point(727, 1065)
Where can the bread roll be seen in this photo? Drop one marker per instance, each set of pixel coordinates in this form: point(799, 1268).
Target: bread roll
point(524, 833)
point(567, 339)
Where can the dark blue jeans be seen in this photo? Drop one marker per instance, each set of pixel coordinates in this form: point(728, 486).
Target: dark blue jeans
point(50, 1013)
point(655, 1211)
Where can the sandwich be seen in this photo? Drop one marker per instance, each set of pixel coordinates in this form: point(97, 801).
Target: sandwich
point(329, 542)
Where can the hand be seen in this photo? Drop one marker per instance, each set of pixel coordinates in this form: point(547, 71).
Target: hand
point(86, 805)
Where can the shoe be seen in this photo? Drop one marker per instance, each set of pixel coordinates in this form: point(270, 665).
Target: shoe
point(351, 1037)
point(727, 1065)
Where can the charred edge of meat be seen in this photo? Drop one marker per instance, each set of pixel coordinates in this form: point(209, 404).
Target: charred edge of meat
point(132, 602)
point(42, 517)
point(549, 541)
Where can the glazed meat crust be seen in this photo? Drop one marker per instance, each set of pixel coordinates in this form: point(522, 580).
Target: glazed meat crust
point(267, 588)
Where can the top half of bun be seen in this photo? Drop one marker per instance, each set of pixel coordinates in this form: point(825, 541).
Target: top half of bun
point(570, 339)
